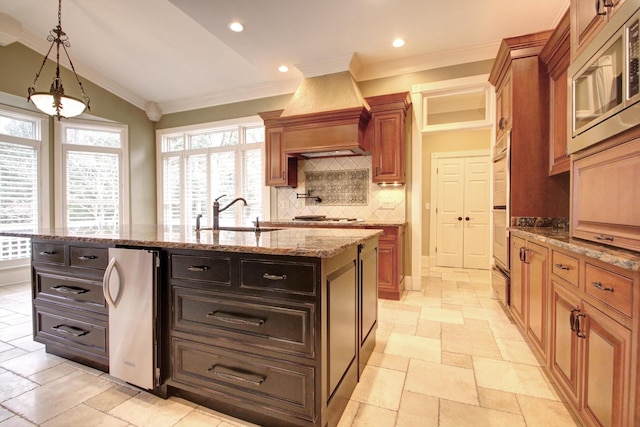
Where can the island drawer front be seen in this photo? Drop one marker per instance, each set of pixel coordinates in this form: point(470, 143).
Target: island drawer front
point(279, 326)
point(50, 253)
point(278, 276)
point(88, 257)
point(81, 293)
point(565, 266)
point(268, 383)
point(72, 330)
point(203, 269)
point(612, 288)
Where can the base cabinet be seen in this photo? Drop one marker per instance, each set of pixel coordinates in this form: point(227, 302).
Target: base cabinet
point(593, 335)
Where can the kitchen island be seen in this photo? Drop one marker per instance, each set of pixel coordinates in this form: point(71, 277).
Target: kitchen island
point(272, 327)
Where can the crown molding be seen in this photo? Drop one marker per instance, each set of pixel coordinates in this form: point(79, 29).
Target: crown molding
point(10, 29)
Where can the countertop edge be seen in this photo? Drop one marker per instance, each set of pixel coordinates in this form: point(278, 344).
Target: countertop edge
point(618, 257)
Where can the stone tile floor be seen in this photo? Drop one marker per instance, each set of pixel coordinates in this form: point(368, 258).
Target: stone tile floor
point(446, 356)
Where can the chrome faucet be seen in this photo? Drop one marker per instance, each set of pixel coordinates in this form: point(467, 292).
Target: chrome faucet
point(217, 210)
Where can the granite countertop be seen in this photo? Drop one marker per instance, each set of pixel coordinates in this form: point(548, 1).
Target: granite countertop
point(287, 222)
point(313, 242)
point(560, 237)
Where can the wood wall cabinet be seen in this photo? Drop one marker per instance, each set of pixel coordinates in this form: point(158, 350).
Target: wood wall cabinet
point(556, 56)
point(280, 170)
point(387, 136)
point(592, 339)
point(519, 70)
point(503, 107)
point(70, 312)
point(587, 19)
point(605, 194)
point(530, 288)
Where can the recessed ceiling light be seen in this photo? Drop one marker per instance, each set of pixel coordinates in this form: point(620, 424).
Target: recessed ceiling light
point(398, 43)
point(283, 68)
point(236, 26)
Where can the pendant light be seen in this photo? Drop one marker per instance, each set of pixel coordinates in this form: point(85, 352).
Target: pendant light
point(55, 102)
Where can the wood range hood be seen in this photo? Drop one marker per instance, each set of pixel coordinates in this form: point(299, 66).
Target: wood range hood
point(326, 117)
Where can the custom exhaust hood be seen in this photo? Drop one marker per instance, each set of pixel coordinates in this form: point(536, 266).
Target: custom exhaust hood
point(327, 116)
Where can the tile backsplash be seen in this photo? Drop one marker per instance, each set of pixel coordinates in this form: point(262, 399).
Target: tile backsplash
point(346, 194)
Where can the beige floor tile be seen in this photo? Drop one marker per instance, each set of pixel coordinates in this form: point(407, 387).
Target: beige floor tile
point(417, 410)
point(443, 381)
point(147, 410)
point(394, 316)
point(455, 359)
point(12, 332)
point(4, 346)
point(461, 297)
point(109, 399)
point(511, 377)
point(454, 414)
point(349, 414)
point(544, 413)
point(404, 329)
point(505, 331)
point(380, 387)
point(442, 315)
point(56, 397)
point(197, 418)
point(389, 361)
point(27, 343)
point(429, 329)
point(83, 415)
point(13, 385)
point(16, 421)
point(5, 414)
point(498, 400)
point(517, 351)
point(373, 416)
point(11, 353)
point(47, 375)
point(424, 301)
point(471, 340)
point(413, 347)
point(31, 363)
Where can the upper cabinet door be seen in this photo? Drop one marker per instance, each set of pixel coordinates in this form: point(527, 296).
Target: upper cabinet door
point(587, 19)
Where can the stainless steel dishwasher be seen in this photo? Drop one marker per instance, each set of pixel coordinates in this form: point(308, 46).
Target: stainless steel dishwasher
point(129, 287)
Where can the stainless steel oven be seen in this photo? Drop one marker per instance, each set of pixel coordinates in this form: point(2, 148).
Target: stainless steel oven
point(501, 219)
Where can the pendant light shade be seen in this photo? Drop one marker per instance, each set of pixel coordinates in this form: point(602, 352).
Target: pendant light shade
point(55, 102)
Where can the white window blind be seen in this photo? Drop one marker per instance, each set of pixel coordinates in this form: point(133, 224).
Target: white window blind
point(94, 166)
point(21, 169)
point(199, 164)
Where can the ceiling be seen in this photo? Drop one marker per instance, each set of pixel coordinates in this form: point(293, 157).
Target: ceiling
point(178, 55)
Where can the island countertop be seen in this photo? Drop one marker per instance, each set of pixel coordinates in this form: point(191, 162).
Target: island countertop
point(313, 242)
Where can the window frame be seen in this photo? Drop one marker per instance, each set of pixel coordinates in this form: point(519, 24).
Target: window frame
point(61, 149)
point(182, 155)
point(41, 145)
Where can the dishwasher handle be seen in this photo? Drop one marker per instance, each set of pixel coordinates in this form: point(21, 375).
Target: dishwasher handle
point(113, 265)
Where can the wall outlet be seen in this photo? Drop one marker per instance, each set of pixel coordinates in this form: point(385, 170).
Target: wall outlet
point(387, 204)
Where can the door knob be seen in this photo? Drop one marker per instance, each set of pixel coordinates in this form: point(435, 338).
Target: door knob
point(459, 218)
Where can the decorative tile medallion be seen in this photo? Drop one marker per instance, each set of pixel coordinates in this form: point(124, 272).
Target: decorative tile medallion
point(338, 187)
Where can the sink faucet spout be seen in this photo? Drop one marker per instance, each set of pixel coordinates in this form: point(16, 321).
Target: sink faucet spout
point(217, 209)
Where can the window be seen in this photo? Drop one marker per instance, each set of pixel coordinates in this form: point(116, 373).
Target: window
point(92, 175)
point(202, 163)
point(24, 200)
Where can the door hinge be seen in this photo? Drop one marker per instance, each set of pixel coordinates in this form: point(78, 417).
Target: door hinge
point(436, 209)
point(436, 249)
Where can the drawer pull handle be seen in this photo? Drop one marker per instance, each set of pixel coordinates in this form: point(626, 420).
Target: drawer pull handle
point(231, 374)
point(198, 268)
point(236, 320)
point(69, 289)
point(87, 257)
point(274, 276)
point(598, 285)
point(605, 238)
point(47, 253)
point(562, 266)
point(69, 330)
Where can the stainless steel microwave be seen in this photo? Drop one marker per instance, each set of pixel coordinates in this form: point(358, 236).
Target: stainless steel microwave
point(604, 94)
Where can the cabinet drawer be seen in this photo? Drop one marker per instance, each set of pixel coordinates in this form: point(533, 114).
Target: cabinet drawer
point(565, 266)
point(71, 330)
point(204, 269)
point(50, 253)
point(278, 276)
point(82, 293)
point(270, 384)
point(611, 288)
point(87, 257)
point(269, 325)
